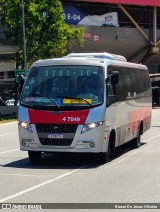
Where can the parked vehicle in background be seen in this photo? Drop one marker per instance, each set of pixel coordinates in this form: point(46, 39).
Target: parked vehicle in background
point(2, 102)
point(10, 102)
point(84, 103)
point(8, 111)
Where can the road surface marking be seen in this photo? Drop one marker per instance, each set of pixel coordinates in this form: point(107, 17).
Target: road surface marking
point(64, 175)
point(25, 175)
point(7, 134)
point(8, 151)
point(40, 185)
point(135, 152)
point(152, 138)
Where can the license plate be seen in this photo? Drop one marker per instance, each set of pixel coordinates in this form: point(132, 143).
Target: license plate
point(53, 135)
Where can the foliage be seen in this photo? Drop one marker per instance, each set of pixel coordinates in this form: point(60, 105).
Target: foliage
point(8, 118)
point(47, 35)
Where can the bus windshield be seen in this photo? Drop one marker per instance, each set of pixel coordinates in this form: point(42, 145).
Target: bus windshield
point(60, 86)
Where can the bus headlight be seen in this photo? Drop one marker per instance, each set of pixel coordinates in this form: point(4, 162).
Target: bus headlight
point(26, 125)
point(90, 126)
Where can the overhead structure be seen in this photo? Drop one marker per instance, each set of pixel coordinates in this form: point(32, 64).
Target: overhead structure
point(130, 2)
point(149, 33)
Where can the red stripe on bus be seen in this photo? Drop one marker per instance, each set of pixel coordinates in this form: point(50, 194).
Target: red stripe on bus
point(140, 114)
point(58, 117)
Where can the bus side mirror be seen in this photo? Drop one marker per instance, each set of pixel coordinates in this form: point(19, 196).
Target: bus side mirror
point(21, 82)
point(108, 88)
point(114, 77)
point(22, 79)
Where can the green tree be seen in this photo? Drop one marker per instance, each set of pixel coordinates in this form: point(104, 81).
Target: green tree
point(47, 35)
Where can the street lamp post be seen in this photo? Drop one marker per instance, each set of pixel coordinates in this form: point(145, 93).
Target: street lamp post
point(24, 37)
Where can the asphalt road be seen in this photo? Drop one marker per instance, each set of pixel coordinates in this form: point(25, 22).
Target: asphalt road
point(133, 175)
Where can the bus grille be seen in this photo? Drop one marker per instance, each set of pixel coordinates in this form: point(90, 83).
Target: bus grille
point(58, 128)
point(44, 129)
point(56, 142)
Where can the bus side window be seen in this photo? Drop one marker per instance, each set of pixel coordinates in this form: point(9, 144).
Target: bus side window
point(139, 86)
point(134, 82)
point(116, 92)
point(111, 94)
point(120, 87)
point(147, 81)
point(143, 84)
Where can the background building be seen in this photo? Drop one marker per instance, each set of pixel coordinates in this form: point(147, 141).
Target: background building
point(132, 29)
point(7, 65)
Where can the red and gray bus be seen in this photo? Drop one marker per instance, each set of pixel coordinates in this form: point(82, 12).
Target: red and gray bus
point(84, 103)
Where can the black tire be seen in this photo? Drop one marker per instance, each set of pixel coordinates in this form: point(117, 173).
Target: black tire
point(34, 156)
point(137, 141)
point(105, 157)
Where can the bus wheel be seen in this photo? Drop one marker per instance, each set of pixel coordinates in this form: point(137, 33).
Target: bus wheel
point(137, 140)
point(106, 156)
point(34, 156)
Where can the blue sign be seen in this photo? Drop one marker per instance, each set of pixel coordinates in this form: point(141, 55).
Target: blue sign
point(72, 15)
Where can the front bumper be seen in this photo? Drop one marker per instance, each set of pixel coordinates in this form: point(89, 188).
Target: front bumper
point(92, 141)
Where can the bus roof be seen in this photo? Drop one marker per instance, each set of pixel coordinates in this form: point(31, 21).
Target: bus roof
point(68, 61)
point(103, 55)
point(88, 59)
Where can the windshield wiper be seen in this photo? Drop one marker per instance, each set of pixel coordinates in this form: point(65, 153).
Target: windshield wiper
point(47, 97)
point(73, 97)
